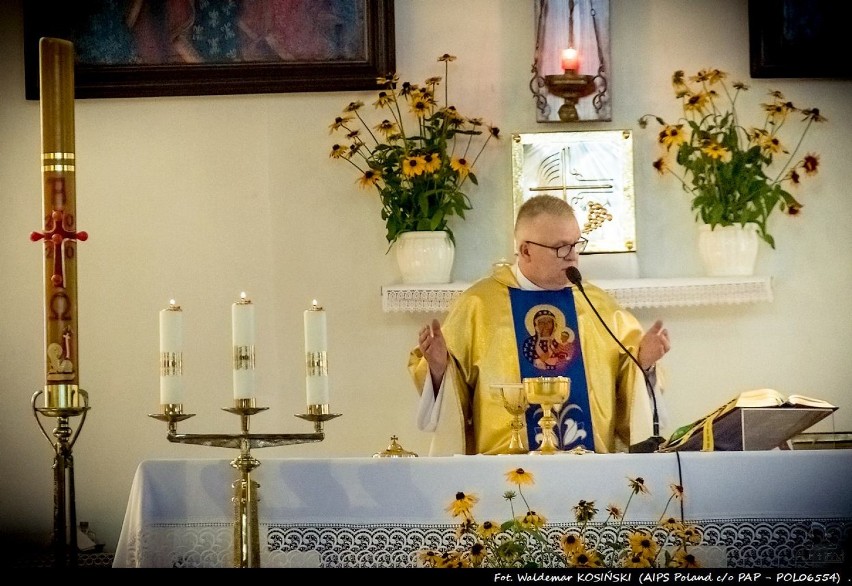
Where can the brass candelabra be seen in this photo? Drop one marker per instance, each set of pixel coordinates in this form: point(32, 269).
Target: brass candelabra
point(246, 525)
point(63, 402)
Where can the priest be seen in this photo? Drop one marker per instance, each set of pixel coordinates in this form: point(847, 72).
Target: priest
point(527, 320)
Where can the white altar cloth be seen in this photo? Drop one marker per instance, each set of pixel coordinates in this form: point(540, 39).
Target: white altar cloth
point(177, 505)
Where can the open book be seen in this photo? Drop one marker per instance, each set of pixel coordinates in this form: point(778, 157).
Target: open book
point(772, 398)
point(760, 419)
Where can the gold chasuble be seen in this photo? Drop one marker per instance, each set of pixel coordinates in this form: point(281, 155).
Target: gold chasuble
point(483, 349)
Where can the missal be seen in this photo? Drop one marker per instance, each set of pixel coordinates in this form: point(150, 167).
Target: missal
point(759, 419)
point(772, 398)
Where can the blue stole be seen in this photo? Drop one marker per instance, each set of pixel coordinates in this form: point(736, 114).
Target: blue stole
point(549, 345)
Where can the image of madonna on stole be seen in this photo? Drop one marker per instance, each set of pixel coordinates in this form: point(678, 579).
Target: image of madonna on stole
point(545, 328)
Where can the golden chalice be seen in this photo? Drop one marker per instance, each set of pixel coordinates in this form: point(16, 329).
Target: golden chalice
point(549, 392)
point(515, 402)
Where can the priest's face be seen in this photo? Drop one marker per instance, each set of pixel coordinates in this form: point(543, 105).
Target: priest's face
point(539, 237)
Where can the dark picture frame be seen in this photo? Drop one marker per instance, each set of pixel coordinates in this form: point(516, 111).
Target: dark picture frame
point(376, 55)
point(798, 38)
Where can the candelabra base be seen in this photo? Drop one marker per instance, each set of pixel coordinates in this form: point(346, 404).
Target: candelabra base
point(246, 526)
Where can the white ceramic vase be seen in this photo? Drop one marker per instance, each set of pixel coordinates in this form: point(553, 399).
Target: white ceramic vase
point(728, 251)
point(425, 257)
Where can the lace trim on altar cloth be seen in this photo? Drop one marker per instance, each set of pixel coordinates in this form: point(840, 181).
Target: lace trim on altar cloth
point(748, 543)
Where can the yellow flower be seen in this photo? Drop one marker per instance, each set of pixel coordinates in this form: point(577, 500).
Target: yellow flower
point(337, 151)
point(661, 166)
point(353, 106)
point(477, 554)
point(413, 165)
point(462, 504)
point(532, 520)
point(447, 57)
point(339, 122)
point(384, 99)
point(572, 544)
point(690, 535)
point(520, 476)
point(370, 178)
point(672, 524)
point(635, 560)
point(386, 128)
point(461, 166)
point(683, 559)
point(588, 558)
point(432, 162)
point(420, 107)
point(715, 151)
point(488, 529)
point(671, 136)
point(642, 544)
point(696, 102)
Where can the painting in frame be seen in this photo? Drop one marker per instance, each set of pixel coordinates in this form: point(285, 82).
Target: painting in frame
point(799, 39)
point(147, 48)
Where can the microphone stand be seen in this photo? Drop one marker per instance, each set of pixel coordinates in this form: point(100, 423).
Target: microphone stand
point(652, 443)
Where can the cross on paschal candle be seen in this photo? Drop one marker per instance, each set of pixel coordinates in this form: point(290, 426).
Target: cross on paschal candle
point(58, 229)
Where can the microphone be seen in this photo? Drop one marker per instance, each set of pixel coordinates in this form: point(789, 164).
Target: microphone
point(652, 443)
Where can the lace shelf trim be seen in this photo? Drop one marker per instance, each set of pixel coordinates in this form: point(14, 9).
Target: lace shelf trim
point(630, 293)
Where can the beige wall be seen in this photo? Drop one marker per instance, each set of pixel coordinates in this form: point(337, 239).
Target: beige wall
point(199, 198)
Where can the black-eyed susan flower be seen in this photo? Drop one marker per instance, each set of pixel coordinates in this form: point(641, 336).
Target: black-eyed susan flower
point(462, 504)
point(488, 529)
point(572, 544)
point(370, 178)
point(432, 162)
point(413, 165)
point(532, 520)
point(520, 477)
point(641, 543)
point(461, 166)
point(689, 535)
point(683, 559)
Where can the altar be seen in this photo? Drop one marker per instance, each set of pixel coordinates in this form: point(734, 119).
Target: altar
point(779, 508)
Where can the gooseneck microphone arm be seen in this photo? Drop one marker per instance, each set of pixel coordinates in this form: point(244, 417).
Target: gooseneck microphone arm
point(573, 274)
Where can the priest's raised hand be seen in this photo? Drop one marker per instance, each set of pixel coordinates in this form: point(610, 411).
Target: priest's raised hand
point(433, 346)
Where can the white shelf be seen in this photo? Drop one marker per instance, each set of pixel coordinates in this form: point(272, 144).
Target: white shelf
point(630, 293)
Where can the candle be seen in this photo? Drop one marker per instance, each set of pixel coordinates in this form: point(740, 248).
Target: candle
point(570, 59)
point(59, 216)
point(171, 354)
point(242, 328)
point(316, 360)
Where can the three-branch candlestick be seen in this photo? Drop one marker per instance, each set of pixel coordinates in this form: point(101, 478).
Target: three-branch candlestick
point(246, 526)
point(63, 402)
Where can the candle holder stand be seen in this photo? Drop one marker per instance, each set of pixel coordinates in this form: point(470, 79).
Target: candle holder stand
point(570, 87)
point(245, 499)
point(63, 402)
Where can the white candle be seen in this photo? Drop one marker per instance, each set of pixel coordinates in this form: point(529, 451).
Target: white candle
point(171, 354)
point(242, 328)
point(316, 360)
